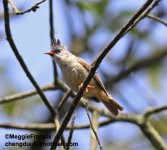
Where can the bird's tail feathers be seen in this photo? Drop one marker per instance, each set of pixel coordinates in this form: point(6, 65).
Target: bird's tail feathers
point(112, 105)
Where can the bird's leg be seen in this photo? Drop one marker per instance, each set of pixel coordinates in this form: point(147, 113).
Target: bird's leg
point(88, 86)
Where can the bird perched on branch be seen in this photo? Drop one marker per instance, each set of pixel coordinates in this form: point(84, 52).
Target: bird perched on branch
point(75, 70)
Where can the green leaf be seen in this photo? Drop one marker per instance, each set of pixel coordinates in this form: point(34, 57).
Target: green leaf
point(154, 75)
point(97, 7)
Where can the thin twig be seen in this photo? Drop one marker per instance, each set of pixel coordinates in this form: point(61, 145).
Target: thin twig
point(71, 132)
point(94, 131)
point(93, 70)
point(153, 136)
point(63, 100)
point(153, 111)
point(122, 117)
point(139, 120)
point(62, 86)
point(55, 73)
point(48, 126)
point(16, 11)
point(57, 125)
point(138, 66)
point(144, 14)
point(22, 95)
point(19, 12)
point(21, 61)
point(157, 19)
point(94, 126)
point(51, 22)
point(25, 68)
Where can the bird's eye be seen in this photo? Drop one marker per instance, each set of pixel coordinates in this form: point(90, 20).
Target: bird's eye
point(57, 51)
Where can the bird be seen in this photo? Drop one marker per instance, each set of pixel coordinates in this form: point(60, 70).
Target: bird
point(75, 70)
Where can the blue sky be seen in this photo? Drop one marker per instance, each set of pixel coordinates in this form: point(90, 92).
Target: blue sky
point(31, 35)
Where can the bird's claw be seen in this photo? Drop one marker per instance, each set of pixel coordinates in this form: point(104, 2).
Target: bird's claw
point(88, 86)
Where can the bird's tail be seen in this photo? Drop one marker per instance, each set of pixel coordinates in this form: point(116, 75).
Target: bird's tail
point(111, 104)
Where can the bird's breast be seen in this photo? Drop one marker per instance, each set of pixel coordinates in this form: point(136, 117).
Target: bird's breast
point(74, 75)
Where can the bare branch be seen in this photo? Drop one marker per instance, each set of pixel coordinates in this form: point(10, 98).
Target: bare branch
point(30, 126)
point(22, 95)
point(139, 120)
point(62, 86)
point(142, 120)
point(153, 136)
point(122, 117)
point(94, 126)
point(19, 12)
point(139, 65)
point(48, 126)
point(153, 111)
point(57, 125)
point(55, 73)
point(16, 11)
point(93, 70)
point(157, 19)
point(21, 61)
point(63, 100)
point(51, 22)
point(144, 14)
point(71, 131)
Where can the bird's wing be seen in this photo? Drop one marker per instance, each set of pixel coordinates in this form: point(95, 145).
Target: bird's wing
point(96, 77)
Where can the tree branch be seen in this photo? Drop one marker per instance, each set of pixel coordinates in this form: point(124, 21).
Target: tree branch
point(93, 70)
point(71, 132)
point(153, 111)
point(153, 136)
point(19, 12)
point(138, 65)
point(48, 126)
point(134, 119)
point(22, 95)
point(144, 14)
point(62, 86)
point(140, 120)
point(157, 19)
point(63, 100)
point(51, 22)
point(21, 61)
point(94, 126)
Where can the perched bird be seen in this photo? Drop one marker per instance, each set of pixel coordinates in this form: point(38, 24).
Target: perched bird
point(75, 70)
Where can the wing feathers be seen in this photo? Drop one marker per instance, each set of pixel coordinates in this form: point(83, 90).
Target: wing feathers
point(96, 77)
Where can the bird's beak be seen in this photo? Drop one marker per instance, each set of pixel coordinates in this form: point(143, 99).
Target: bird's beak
point(50, 53)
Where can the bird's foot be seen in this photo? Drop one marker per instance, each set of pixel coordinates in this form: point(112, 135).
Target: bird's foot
point(88, 86)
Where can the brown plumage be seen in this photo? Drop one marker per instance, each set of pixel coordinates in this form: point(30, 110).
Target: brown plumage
point(105, 98)
point(75, 70)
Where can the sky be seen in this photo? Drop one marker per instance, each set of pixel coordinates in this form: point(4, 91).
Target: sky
point(31, 35)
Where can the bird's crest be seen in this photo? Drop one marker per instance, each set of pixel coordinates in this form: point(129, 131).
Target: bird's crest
point(56, 44)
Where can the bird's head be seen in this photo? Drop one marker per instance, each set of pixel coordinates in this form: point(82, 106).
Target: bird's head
point(59, 51)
